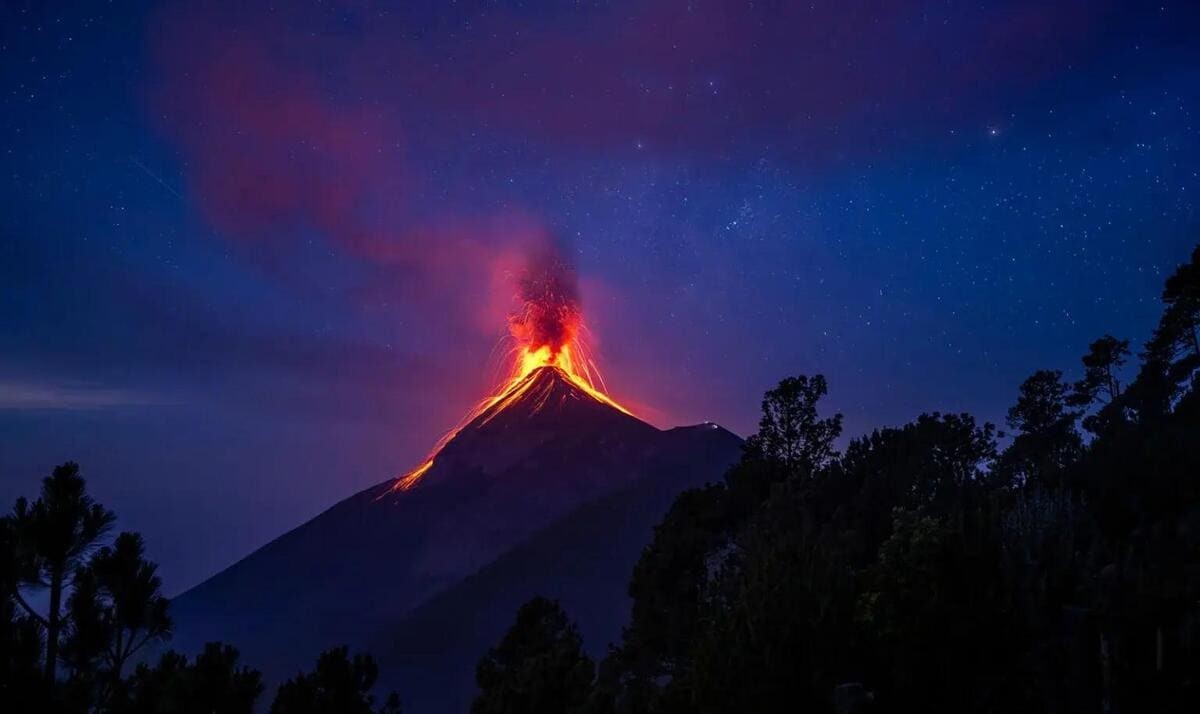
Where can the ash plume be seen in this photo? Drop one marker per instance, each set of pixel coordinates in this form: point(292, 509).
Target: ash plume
point(549, 312)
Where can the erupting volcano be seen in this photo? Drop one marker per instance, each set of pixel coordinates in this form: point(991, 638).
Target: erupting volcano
point(547, 487)
point(547, 330)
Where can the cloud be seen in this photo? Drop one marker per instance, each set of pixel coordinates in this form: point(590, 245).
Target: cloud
point(44, 396)
point(278, 156)
point(288, 132)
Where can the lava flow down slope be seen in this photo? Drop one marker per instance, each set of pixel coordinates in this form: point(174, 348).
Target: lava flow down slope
point(548, 455)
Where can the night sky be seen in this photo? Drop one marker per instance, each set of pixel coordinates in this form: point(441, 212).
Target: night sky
point(254, 260)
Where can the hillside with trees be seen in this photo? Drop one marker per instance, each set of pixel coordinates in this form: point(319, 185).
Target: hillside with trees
point(928, 568)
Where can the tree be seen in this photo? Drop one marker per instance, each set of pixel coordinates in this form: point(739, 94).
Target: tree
point(790, 431)
point(935, 606)
point(339, 685)
point(21, 685)
point(771, 635)
point(212, 683)
point(672, 577)
point(147, 689)
point(538, 668)
point(1172, 355)
point(669, 579)
point(1046, 441)
point(1100, 383)
point(1177, 333)
point(55, 535)
point(86, 636)
point(935, 462)
point(116, 608)
point(130, 590)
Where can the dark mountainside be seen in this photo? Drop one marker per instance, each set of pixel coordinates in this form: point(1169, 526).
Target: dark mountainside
point(583, 561)
point(362, 566)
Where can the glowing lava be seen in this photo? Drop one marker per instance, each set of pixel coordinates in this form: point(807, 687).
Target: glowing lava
point(570, 360)
point(547, 328)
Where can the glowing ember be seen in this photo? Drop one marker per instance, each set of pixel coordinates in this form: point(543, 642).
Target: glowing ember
point(547, 329)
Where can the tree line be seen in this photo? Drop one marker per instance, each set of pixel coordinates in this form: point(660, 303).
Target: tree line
point(924, 567)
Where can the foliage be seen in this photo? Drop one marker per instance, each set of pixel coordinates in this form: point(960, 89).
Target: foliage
point(925, 569)
point(213, 682)
point(790, 433)
point(339, 685)
point(538, 668)
point(54, 536)
point(1046, 441)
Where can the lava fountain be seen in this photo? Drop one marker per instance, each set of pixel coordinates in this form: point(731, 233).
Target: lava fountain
point(547, 330)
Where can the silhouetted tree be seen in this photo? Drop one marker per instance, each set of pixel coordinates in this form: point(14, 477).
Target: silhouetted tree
point(1178, 333)
point(339, 685)
point(130, 591)
point(22, 687)
point(86, 636)
point(149, 689)
point(673, 576)
point(1171, 357)
point(669, 579)
point(790, 432)
point(214, 682)
point(55, 535)
point(1100, 382)
point(538, 668)
point(1101, 385)
point(116, 609)
point(1047, 441)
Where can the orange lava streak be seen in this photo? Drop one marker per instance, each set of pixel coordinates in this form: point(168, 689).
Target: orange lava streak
point(570, 359)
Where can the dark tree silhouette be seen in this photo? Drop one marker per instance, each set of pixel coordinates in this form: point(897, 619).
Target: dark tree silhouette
point(1100, 386)
point(672, 578)
point(55, 535)
point(1171, 358)
point(790, 431)
point(921, 571)
point(538, 668)
point(1178, 333)
point(1047, 441)
point(339, 685)
point(668, 581)
point(214, 682)
point(1100, 382)
point(116, 608)
point(130, 591)
point(21, 685)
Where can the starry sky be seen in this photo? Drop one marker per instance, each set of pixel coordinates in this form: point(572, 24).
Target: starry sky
point(252, 257)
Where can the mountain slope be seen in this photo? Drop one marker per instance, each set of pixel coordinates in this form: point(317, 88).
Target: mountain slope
point(584, 560)
point(369, 560)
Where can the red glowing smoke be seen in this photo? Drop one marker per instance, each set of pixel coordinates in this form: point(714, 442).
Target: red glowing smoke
point(548, 314)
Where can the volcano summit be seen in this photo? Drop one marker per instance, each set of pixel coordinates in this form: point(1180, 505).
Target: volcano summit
point(404, 566)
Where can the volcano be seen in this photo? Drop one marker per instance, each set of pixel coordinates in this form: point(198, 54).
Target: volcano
point(547, 488)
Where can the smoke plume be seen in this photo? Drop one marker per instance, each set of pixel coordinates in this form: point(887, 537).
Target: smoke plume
point(548, 313)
